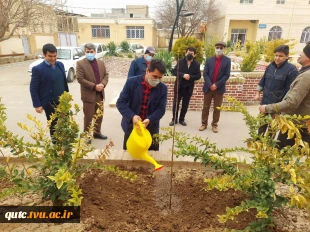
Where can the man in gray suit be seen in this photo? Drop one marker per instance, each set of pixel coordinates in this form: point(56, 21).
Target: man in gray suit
point(216, 73)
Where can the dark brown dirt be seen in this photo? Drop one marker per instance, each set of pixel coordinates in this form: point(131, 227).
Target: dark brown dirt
point(115, 204)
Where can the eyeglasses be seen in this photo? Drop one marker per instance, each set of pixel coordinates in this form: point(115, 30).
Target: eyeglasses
point(219, 48)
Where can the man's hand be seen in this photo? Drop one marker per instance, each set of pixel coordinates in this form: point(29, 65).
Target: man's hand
point(262, 109)
point(257, 96)
point(213, 87)
point(135, 119)
point(146, 122)
point(39, 110)
point(186, 76)
point(99, 87)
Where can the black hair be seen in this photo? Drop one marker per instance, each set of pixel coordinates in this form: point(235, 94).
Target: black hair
point(192, 49)
point(49, 48)
point(283, 48)
point(157, 64)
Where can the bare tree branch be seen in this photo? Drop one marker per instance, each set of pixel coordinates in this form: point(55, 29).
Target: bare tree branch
point(204, 11)
point(19, 15)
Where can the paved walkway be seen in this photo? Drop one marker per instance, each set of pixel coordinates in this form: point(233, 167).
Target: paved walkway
point(14, 89)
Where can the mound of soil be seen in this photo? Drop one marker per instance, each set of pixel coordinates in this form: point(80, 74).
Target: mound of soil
point(113, 203)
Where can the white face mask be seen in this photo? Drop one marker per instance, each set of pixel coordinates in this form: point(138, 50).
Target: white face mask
point(148, 58)
point(152, 82)
point(218, 52)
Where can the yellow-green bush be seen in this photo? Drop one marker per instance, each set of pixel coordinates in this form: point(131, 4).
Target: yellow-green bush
point(251, 59)
point(270, 46)
point(180, 46)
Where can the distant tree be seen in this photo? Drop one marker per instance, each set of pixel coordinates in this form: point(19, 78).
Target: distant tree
point(16, 16)
point(204, 11)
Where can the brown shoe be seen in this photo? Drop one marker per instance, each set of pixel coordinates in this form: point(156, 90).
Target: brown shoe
point(202, 127)
point(214, 129)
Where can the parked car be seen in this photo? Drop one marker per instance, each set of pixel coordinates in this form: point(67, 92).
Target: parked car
point(101, 49)
point(134, 47)
point(68, 56)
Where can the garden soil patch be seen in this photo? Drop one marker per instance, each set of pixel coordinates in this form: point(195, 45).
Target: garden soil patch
point(113, 203)
point(116, 204)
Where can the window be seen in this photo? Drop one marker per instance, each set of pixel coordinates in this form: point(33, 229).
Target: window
point(100, 31)
point(135, 32)
point(104, 48)
point(275, 33)
point(280, 1)
point(75, 53)
point(238, 34)
point(305, 35)
point(246, 1)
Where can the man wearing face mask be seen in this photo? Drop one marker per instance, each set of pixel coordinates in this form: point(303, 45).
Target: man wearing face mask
point(215, 74)
point(93, 77)
point(139, 65)
point(187, 72)
point(144, 98)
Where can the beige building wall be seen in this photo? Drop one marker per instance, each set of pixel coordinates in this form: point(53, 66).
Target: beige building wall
point(137, 9)
point(216, 29)
point(117, 30)
point(292, 17)
point(12, 45)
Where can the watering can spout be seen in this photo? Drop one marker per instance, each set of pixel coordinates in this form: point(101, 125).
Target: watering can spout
point(138, 144)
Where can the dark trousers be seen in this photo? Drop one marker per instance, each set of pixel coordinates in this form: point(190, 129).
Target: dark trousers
point(185, 96)
point(49, 110)
point(217, 102)
point(262, 129)
point(153, 147)
point(283, 141)
point(89, 109)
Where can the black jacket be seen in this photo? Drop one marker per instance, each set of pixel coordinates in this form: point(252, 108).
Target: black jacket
point(276, 82)
point(181, 68)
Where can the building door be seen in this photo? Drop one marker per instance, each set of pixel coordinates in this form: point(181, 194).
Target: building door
point(238, 34)
point(26, 45)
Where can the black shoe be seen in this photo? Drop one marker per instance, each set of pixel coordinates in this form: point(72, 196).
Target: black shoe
point(183, 123)
point(172, 123)
point(100, 136)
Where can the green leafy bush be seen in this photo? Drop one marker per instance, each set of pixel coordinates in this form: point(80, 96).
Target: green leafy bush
point(237, 48)
point(55, 164)
point(166, 57)
point(129, 55)
point(270, 166)
point(111, 49)
point(180, 46)
point(209, 47)
point(125, 47)
point(251, 59)
point(270, 46)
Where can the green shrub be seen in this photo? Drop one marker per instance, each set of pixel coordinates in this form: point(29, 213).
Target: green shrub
point(251, 59)
point(125, 47)
point(55, 164)
point(209, 47)
point(111, 49)
point(129, 55)
point(180, 46)
point(270, 46)
point(237, 48)
point(248, 46)
point(166, 57)
point(259, 180)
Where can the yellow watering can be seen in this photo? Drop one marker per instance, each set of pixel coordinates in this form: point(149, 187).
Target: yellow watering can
point(138, 144)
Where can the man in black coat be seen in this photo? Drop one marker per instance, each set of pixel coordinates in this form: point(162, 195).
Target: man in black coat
point(187, 71)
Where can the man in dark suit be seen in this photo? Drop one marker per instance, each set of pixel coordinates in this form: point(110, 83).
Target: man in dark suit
point(216, 73)
point(93, 77)
point(48, 82)
point(187, 71)
point(144, 98)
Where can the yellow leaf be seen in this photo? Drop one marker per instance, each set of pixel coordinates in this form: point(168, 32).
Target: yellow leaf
point(283, 129)
point(29, 171)
point(290, 134)
point(293, 175)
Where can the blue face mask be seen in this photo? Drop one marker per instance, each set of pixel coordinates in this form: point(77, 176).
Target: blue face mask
point(148, 58)
point(90, 56)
